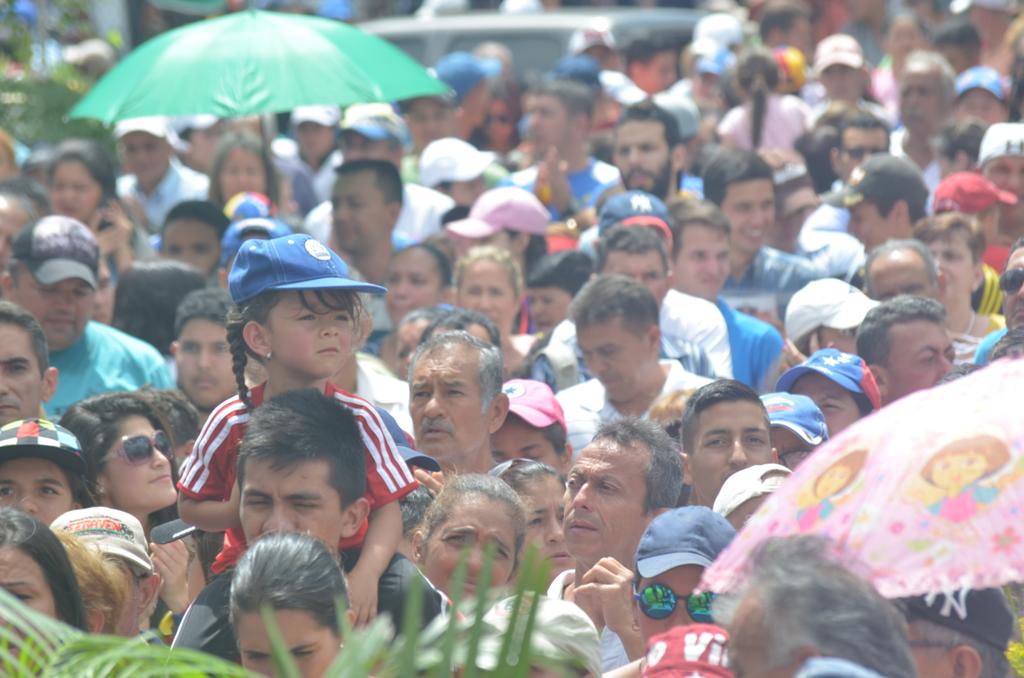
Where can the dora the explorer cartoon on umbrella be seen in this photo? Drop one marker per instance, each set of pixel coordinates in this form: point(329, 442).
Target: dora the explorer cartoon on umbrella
point(829, 490)
point(965, 475)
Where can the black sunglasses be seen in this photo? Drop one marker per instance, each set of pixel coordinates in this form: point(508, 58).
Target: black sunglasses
point(1012, 280)
point(140, 449)
point(658, 601)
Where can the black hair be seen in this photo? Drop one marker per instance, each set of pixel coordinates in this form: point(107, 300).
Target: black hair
point(519, 473)
point(631, 240)
point(202, 211)
point(732, 166)
point(210, 303)
point(96, 422)
point(643, 51)
point(815, 146)
point(576, 98)
point(27, 189)
point(385, 176)
point(956, 32)
point(13, 315)
point(441, 261)
point(179, 416)
point(147, 297)
point(614, 296)
point(302, 426)
point(456, 213)
point(567, 270)
point(873, 341)
point(861, 119)
point(687, 212)
point(35, 539)
point(963, 136)
point(757, 74)
point(258, 310)
point(781, 15)
point(462, 319)
point(289, 571)
point(414, 506)
point(648, 111)
point(959, 372)
point(249, 142)
point(91, 155)
point(663, 471)
point(709, 395)
point(471, 486)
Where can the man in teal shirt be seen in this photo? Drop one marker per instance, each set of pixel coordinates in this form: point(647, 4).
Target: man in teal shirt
point(52, 275)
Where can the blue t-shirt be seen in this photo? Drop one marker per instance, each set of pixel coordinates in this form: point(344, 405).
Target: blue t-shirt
point(587, 185)
point(986, 345)
point(104, 360)
point(755, 345)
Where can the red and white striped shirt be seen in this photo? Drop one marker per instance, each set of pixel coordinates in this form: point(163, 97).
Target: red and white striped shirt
point(208, 474)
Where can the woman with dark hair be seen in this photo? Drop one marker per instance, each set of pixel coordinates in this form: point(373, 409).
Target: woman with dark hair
point(147, 298)
point(471, 513)
point(34, 568)
point(128, 466)
point(299, 579)
point(765, 119)
point(541, 490)
point(243, 164)
point(82, 185)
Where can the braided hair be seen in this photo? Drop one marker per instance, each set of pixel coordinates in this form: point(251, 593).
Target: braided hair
point(258, 310)
point(757, 74)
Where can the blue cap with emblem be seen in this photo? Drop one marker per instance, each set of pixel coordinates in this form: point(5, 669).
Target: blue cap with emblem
point(291, 262)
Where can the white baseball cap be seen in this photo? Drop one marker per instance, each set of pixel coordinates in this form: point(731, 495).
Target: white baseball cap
point(1001, 139)
point(154, 125)
point(750, 483)
point(328, 116)
point(111, 532)
point(724, 29)
point(960, 6)
point(452, 159)
point(826, 303)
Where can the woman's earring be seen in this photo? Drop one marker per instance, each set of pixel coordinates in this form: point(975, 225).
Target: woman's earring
point(269, 353)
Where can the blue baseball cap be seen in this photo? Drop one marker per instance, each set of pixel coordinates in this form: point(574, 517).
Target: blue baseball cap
point(846, 369)
point(798, 414)
point(418, 459)
point(291, 262)
point(981, 77)
point(717, 63)
point(691, 535)
point(462, 72)
point(247, 229)
point(582, 69)
point(635, 208)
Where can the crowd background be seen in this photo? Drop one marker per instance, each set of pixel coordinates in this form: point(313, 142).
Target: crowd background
point(609, 316)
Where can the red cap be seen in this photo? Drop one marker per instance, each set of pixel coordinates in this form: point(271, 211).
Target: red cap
point(533, 402)
point(694, 651)
point(969, 193)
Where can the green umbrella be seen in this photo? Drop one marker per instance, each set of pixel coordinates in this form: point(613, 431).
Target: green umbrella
point(254, 62)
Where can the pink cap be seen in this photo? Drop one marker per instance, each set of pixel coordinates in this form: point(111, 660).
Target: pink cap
point(838, 49)
point(533, 402)
point(507, 208)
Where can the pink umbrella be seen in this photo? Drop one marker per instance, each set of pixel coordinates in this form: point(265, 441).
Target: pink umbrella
point(925, 495)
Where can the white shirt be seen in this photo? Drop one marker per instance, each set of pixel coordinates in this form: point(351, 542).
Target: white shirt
point(376, 384)
point(613, 652)
point(586, 405)
point(178, 183)
point(932, 174)
point(422, 209)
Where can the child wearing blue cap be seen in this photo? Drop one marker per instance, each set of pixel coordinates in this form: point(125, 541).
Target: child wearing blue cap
point(297, 313)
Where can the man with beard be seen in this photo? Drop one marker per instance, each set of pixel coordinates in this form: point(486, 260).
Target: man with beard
point(927, 90)
point(648, 150)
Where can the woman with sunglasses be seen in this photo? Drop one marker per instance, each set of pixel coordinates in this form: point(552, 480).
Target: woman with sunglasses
point(128, 467)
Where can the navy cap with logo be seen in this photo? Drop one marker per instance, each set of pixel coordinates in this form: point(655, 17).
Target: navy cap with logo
point(42, 439)
point(291, 262)
point(635, 208)
point(886, 178)
point(982, 614)
point(58, 248)
point(691, 535)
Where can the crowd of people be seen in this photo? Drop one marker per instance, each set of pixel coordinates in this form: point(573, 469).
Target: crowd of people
point(603, 316)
